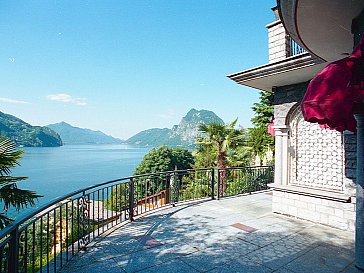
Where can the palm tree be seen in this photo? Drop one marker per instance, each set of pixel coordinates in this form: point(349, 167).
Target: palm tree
point(10, 194)
point(223, 137)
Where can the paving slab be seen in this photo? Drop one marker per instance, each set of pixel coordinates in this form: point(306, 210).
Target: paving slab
point(329, 258)
point(174, 266)
point(238, 234)
point(142, 260)
point(245, 266)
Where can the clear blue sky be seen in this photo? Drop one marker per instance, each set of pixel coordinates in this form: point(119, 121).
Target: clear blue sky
point(125, 66)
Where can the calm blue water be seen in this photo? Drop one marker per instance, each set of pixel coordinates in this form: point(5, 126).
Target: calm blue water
point(54, 172)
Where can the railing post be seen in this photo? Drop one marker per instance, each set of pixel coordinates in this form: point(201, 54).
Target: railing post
point(212, 183)
point(168, 188)
point(253, 181)
point(177, 185)
point(13, 262)
point(131, 199)
point(218, 183)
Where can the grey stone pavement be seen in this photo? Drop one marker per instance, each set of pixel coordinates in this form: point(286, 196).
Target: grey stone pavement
point(238, 234)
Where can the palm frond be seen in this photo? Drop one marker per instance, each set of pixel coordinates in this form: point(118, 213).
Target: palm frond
point(5, 180)
point(202, 127)
point(8, 155)
point(232, 125)
point(4, 220)
point(10, 195)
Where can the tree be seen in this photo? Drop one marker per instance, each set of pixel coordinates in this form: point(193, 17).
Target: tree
point(223, 137)
point(263, 110)
point(10, 194)
point(165, 159)
point(160, 159)
point(236, 156)
point(205, 157)
point(259, 138)
point(240, 156)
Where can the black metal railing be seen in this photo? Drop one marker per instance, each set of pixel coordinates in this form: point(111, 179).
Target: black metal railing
point(294, 48)
point(45, 240)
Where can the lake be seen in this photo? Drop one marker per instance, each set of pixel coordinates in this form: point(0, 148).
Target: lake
point(56, 171)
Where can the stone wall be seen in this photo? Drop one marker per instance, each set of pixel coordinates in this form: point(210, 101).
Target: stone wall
point(277, 42)
point(350, 163)
point(285, 99)
point(317, 167)
point(327, 212)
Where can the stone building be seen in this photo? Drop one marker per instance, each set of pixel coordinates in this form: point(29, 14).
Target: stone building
point(315, 168)
point(319, 173)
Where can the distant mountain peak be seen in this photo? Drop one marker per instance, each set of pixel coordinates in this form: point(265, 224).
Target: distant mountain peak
point(75, 135)
point(191, 112)
point(64, 123)
point(183, 134)
point(201, 116)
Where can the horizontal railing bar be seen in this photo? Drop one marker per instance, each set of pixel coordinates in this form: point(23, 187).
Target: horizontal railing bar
point(248, 167)
point(138, 194)
point(20, 221)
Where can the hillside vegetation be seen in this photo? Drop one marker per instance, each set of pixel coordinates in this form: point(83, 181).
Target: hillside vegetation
point(24, 134)
point(72, 135)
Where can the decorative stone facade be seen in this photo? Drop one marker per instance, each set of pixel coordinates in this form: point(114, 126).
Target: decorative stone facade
point(315, 167)
point(316, 155)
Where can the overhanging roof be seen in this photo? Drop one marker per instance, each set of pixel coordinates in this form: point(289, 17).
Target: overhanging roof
point(296, 69)
point(323, 27)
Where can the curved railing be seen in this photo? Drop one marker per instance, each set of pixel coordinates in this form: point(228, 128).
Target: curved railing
point(45, 240)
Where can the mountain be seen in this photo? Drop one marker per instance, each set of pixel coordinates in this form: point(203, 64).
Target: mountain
point(150, 137)
point(24, 134)
point(184, 134)
point(74, 135)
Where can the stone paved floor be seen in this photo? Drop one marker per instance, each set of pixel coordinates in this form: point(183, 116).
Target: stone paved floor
point(200, 238)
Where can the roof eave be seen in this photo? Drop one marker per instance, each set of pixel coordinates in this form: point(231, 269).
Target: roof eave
point(292, 70)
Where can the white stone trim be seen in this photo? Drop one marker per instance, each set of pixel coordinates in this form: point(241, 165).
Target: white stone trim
point(281, 154)
point(334, 196)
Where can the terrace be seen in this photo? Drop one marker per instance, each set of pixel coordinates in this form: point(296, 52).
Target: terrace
point(199, 220)
point(237, 234)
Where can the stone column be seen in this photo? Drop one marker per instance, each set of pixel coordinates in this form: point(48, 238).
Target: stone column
point(281, 154)
point(359, 228)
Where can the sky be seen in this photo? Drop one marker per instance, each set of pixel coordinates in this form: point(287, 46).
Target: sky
point(128, 65)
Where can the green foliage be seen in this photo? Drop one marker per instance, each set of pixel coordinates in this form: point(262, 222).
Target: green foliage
point(10, 194)
point(51, 234)
point(118, 200)
point(263, 110)
point(247, 180)
point(152, 137)
point(223, 135)
point(196, 187)
point(240, 156)
point(258, 138)
point(217, 142)
point(74, 135)
point(165, 159)
point(27, 135)
point(205, 157)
